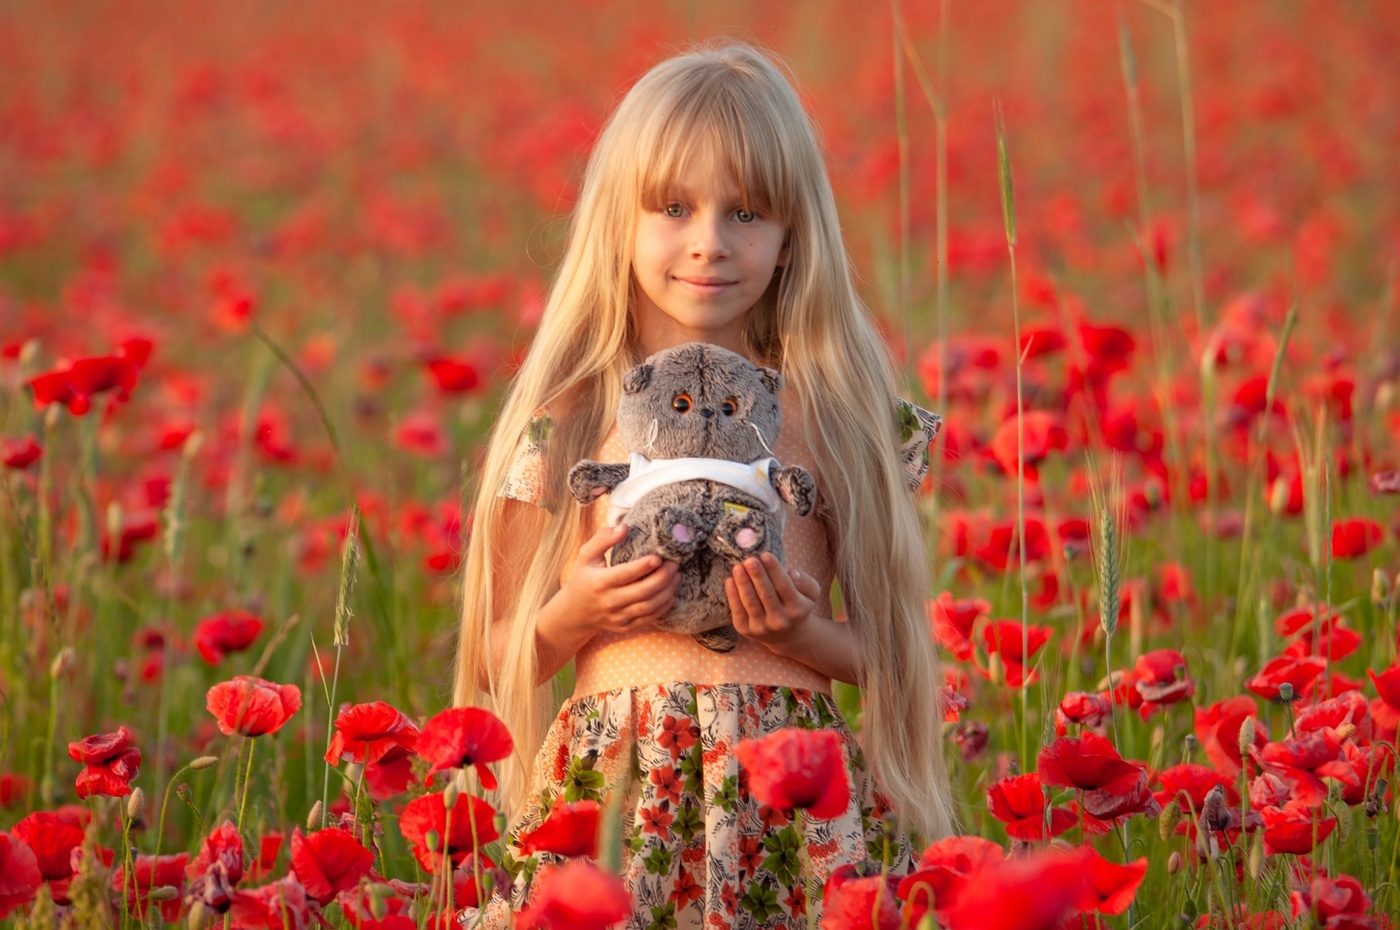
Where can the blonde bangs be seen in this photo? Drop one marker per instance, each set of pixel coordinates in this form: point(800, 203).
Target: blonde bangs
point(713, 119)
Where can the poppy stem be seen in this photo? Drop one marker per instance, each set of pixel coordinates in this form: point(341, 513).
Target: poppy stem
point(809, 887)
point(247, 777)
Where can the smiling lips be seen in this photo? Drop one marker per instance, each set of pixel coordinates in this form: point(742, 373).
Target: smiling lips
point(704, 283)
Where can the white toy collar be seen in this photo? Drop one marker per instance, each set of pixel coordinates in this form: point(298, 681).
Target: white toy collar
point(647, 475)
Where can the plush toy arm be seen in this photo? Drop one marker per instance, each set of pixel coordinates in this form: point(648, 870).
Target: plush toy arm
point(589, 480)
point(796, 487)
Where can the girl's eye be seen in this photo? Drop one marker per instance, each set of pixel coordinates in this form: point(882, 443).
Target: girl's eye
point(681, 403)
point(729, 406)
point(673, 210)
point(745, 216)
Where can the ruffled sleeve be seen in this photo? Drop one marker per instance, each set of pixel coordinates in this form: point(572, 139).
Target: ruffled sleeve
point(917, 429)
point(526, 479)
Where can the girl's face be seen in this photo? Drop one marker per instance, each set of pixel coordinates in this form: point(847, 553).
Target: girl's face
point(702, 259)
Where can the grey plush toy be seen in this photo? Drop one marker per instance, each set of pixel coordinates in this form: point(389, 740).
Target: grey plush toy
point(702, 487)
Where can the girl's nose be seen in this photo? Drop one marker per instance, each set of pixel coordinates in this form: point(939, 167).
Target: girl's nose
point(709, 241)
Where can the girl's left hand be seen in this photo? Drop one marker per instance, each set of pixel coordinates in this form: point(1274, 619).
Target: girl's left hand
point(767, 602)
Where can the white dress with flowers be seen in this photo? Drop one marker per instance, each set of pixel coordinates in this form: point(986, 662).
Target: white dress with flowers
point(657, 715)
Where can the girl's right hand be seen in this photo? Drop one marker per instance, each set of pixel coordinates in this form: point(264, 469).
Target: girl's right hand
point(622, 597)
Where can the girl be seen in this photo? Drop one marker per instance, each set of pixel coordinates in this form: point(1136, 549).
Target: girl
point(706, 215)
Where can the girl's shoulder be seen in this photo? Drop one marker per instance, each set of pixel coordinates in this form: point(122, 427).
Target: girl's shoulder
point(917, 428)
point(525, 479)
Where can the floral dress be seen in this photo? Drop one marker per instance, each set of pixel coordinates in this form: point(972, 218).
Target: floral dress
point(656, 717)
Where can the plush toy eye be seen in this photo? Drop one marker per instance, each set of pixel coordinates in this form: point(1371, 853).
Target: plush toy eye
point(681, 403)
point(729, 406)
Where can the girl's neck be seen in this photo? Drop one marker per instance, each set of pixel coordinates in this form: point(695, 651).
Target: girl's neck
point(655, 333)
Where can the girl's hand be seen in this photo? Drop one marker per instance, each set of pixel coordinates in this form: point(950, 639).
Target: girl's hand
point(767, 602)
point(622, 597)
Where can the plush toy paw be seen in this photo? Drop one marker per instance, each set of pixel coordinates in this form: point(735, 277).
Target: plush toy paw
point(588, 480)
point(679, 533)
point(723, 639)
point(740, 534)
point(796, 486)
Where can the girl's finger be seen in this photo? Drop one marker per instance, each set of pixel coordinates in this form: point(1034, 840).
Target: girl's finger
point(737, 614)
point(634, 571)
point(778, 578)
point(808, 586)
point(748, 596)
point(767, 596)
point(593, 548)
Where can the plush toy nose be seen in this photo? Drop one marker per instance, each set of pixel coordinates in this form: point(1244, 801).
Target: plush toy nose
point(706, 412)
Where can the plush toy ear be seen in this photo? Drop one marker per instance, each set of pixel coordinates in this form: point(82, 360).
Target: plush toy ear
point(637, 379)
point(771, 379)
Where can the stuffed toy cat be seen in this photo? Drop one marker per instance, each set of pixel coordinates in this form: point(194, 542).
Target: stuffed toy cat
point(702, 487)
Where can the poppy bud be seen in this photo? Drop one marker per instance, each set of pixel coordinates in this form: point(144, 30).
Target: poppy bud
point(197, 916)
point(165, 893)
point(1373, 837)
point(352, 772)
point(1215, 812)
point(204, 762)
point(1375, 801)
point(114, 519)
point(1346, 731)
point(1174, 862)
point(378, 906)
point(61, 662)
point(135, 803)
point(1167, 821)
point(1188, 746)
point(313, 819)
point(927, 923)
point(1256, 860)
point(499, 822)
point(1246, 737)
point(449, 794)
point(183, 792)
point(430, 840)
point(1285, 692)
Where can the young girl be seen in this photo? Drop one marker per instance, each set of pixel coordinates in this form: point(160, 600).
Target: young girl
point(706, 215)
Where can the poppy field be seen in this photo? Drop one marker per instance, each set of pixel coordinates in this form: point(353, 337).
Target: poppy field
point(266, 270)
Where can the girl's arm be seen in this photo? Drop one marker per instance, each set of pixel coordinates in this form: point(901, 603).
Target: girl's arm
point(776, 607)
point(596, 596)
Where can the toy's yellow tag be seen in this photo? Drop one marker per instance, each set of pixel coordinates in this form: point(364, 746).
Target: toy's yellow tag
point(736, 508)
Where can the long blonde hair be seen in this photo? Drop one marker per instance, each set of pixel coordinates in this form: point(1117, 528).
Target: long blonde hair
point(732, 103)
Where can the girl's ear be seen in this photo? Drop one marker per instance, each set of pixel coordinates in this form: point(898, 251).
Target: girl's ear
point(637, 379)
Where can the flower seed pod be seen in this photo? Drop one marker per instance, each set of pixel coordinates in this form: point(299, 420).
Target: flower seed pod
point(1188, 746)
point(313, 819)
point(204, 762)
point(1174, 862)
point(1285, 692)
point(449, 794)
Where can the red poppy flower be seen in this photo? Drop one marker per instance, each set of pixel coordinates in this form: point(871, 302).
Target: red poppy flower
point(1087, 763)
point(20, 453)
point(570, 830)
point(427, 813)
point(52, 841)
point(111, 763)
point(1028, 893)
point(217, 868)
point(1295, 671)
point(1355, 537)
point(942, 869)
point(1388, 686)
point(149, 873)
point(369, 731)
point(1325, 899)
point(1004, 639)
point(75, 383)
point(1295, 829)
point(1385, 482)
point(1218, 729)
point(1331, 639)
point(328, 862)
point(452, 376)
point(798, 768)
point(465, 736)
point(422, 434)
point(20, 877)
point(1114, 886)
point(135, 526)
point(1189, 783)
point(1019, 802)
point(1087, 710)
point(230, 631)
point(391, 775)
point(1042, 432)
point(855, 900)
point(252, 706)
point(1160, 680)
point(269, 848)
point(575, 896)
point(1118, 800)
point(282, 905)
point(12, 788)
point(1349, 707)
point(952, 622)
